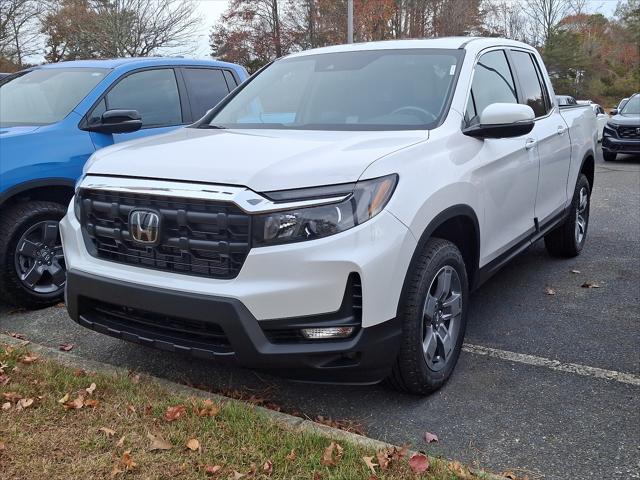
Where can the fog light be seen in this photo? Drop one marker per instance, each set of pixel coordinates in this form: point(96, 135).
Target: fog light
point(324, 333)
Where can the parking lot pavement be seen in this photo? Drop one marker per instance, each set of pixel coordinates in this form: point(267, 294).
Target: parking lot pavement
point(505, 410)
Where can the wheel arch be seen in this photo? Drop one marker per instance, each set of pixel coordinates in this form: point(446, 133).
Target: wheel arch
point(59, 190)
point(458, 224)
point(588, 168)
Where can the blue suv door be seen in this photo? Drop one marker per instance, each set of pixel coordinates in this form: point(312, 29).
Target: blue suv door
point(154, 93)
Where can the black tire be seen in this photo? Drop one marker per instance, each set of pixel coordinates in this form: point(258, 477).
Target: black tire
point(15, 222)
point(564, 240)
point(609, 156)
point(411, 372)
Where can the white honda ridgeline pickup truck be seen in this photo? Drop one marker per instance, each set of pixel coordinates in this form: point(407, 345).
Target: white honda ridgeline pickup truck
point(329, 218)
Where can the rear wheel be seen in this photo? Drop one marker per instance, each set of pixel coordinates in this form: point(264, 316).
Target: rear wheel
point(32, 268)
point(609, 156)
point(433, 315)
point(568, 239)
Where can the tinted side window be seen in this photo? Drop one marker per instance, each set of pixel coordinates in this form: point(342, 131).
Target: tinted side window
point(492, 83)
point(231, 81)
point(206, 87)
point(153, 93)
point(530, 82)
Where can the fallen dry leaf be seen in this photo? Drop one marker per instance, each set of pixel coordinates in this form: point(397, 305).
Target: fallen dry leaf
point(28, 359)
point(6, 406)
point(430, 437)
point(66, 347)
point(238, 475)
point(158, 443)
point(75, 404)
point(419, 463)
point(64, 399)
point(79, 372)
point(459, 469)
point(24, 403)
point(107, 431)
point(173, 413)
point(212, 469)
point(590, 285)
point(549, 291)
point(91, 388)
point(384, 458)
point(91, 402)
point(120, 443)
point(332, 455)
point(267, 467)
point(3, 366)
point(127, 462)
point(131, 409)
point(4, 379)
point(291, 456)
point(12, 396)
point(209, 409)
point(369, 463)
point(193, 444)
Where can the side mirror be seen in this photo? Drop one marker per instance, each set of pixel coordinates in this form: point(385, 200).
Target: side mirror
point(615, 111)
point(117, 121)
point(503, 120)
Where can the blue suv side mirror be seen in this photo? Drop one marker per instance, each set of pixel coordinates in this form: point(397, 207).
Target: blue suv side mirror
point(117, 121)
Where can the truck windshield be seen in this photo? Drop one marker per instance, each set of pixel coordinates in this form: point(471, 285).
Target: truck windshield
point(45, 96)
point(362, 90)
point(632, 107)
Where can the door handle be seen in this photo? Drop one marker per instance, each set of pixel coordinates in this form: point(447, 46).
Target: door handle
point(561, 130)
point(530, 143)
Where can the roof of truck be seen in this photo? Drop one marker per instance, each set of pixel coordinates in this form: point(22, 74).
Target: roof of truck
point(467, 43)
point(137, 63)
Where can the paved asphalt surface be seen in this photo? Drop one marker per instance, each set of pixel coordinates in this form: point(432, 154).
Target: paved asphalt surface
point(498, 414)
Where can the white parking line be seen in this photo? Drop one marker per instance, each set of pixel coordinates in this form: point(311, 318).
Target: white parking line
point(554, 364)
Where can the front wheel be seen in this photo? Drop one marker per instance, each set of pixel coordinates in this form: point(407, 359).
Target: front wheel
point(567, 240)
point(433, 315)
point(32, 268)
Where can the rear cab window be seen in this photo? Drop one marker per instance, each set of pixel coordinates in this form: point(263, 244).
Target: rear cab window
point(534, 91)
point(205, 88)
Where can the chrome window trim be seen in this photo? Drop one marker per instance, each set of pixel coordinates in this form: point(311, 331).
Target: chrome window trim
point(245, 198)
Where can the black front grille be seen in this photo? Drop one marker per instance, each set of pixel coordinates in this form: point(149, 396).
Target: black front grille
point(629, 132)
point(156, 326)
point(197, 237)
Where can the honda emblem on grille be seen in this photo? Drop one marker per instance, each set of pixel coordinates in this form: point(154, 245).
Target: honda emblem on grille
point(144, 226)
point(638, 131)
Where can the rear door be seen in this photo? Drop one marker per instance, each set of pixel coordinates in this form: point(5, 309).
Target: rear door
point(508, 167)
point(551, 134)
point(205, 87)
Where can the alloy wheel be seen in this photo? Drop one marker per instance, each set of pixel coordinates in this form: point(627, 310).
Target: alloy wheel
point(582, 215)
point(441, 318)
point(39, 261)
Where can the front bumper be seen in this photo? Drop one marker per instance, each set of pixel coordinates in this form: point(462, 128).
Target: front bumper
point(618, 145)
point(221, 328)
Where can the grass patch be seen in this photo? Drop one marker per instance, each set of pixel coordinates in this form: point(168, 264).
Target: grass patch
point(52, 427)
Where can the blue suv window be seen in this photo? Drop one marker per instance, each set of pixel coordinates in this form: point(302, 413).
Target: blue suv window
point(153, 93)
point(206, 87)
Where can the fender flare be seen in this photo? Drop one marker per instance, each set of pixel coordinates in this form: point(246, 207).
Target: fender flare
point(459, 210)
point(32, 184)
point(588, 154)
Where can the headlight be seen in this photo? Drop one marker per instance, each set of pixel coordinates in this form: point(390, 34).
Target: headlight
point(610, 129)
point(367, 199)
point(76, 206)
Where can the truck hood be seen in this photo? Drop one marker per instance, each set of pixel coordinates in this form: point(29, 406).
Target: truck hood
point(262, 160)
point(6, 132)
point(626, 120)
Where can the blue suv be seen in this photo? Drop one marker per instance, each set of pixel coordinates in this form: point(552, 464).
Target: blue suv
point(52, 118)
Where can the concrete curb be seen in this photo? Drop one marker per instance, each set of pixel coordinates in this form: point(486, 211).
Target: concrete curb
point(285, 420)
